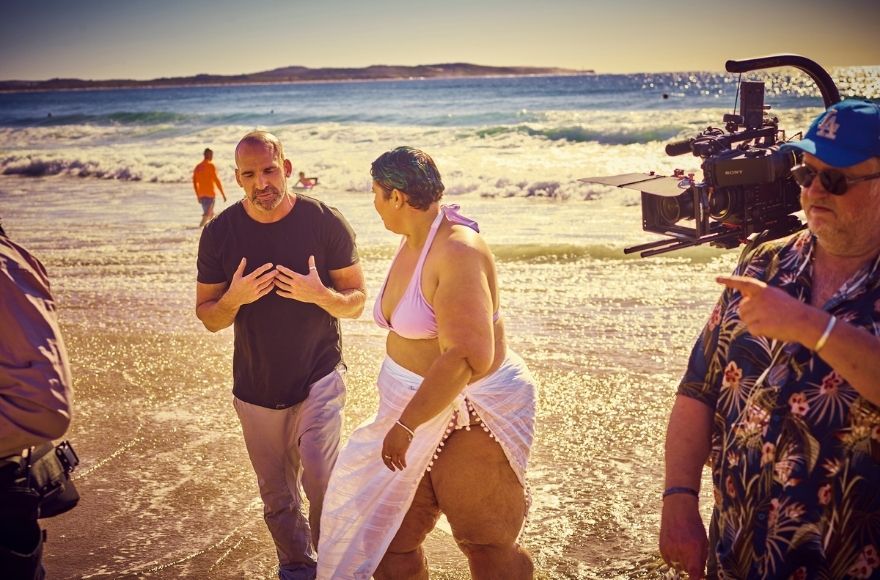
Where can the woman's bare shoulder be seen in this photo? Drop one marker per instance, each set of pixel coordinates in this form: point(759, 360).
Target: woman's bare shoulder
point(463, 243)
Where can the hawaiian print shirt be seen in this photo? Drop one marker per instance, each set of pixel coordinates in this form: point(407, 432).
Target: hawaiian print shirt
point(796, 452)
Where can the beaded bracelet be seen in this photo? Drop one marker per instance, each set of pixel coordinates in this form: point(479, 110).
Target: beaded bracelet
point(675, 490)
point(407, 429)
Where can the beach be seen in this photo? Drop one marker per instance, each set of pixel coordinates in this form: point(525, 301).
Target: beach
point(167, 490)
point(100, 193)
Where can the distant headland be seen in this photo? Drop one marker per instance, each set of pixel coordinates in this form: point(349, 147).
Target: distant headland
point(293, 74)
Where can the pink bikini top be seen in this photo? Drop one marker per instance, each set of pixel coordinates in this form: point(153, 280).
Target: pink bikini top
point(413, 317)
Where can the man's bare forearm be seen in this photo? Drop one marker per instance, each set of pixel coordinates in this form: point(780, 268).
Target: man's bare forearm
point(853, 352)
point(344, 303)
point(217, 314)
point(688, 442)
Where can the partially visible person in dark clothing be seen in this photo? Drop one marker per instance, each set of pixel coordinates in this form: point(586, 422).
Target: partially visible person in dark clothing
point(35, 398)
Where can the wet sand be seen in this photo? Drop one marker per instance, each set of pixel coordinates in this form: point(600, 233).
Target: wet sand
point(167, 489)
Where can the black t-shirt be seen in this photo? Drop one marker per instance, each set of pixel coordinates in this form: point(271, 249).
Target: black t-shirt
point(281, 345)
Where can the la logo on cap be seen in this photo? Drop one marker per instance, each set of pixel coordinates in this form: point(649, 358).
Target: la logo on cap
point(828, 126)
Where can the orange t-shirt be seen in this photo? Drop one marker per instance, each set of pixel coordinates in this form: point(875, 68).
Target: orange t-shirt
point(204, 178)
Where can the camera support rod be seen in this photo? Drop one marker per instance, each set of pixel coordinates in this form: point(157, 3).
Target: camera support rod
point(830, 94)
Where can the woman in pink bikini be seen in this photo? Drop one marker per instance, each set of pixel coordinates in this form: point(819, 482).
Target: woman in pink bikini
point(456, 407)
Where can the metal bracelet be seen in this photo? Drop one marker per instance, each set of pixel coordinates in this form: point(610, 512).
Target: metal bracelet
point(407, 429)
point(824, 338)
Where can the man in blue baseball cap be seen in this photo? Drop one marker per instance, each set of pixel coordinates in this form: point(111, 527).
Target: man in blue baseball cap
point(782, 391)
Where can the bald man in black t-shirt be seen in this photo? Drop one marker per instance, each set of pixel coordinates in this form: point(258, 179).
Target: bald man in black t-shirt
point(283, 269)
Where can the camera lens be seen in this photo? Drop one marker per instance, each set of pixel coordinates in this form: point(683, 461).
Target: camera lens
point(721, 209)
point(673, 209)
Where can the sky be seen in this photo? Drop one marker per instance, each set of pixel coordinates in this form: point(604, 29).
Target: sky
point(145, 39)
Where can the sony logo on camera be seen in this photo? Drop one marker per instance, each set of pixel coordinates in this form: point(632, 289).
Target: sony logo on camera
point(748, 167)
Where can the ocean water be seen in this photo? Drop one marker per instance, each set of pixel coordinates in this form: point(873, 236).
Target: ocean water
point(97, 184)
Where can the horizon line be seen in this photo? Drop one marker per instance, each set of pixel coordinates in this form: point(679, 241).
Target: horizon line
point(562, 70)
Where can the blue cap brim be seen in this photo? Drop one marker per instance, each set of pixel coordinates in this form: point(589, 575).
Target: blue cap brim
point(833, 155)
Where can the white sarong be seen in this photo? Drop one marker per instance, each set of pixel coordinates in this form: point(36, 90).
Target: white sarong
point(365, 501)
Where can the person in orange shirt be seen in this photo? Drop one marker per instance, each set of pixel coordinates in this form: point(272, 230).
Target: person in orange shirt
point(204, 180)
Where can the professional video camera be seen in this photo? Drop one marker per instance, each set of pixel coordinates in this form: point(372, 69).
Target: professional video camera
point(747, 185)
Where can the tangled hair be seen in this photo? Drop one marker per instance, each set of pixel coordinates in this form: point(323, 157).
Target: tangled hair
point(411, 171)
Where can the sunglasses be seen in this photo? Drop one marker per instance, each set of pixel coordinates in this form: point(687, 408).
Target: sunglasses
point(832, 181)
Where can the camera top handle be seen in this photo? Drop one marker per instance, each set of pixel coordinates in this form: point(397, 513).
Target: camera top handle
point(830, 94)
